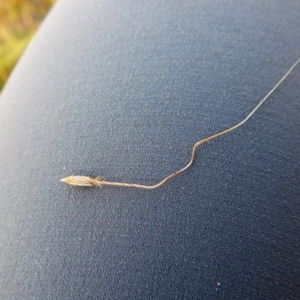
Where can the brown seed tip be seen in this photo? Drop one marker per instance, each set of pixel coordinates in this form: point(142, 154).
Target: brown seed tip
point(82, 181)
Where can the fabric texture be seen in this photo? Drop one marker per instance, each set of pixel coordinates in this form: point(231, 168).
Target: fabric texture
point(123, 89)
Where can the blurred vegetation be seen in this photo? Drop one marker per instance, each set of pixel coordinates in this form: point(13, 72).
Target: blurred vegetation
point(19, 20)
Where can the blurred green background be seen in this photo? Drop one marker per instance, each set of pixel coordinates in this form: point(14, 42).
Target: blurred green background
point(19, 20)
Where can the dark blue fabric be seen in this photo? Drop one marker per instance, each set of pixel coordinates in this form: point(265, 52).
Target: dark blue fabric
point(123, 89)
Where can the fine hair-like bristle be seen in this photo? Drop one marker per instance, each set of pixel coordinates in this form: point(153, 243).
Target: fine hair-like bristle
point(88, 181)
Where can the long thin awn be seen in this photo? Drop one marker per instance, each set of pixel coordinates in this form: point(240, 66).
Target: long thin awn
point(88, 181)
